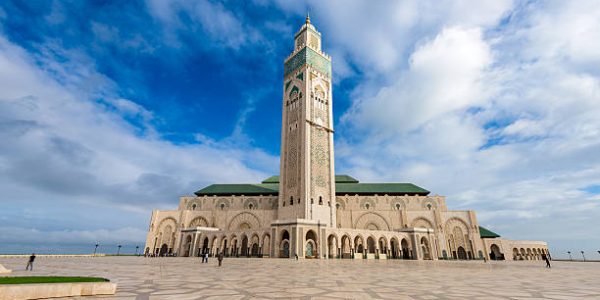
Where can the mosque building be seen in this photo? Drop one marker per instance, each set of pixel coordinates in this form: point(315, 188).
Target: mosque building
point(311, 212)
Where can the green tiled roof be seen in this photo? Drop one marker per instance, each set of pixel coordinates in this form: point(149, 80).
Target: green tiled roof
point(485, 233)
point(272, 179)
point(379, 188)
point(338, 179)
point(345, 179)
point(240, 189)
point(344, 185)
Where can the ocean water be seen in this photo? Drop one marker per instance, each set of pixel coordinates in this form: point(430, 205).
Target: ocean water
point(69, 249)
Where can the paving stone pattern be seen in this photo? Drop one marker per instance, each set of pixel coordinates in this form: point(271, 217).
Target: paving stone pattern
point(243, 278)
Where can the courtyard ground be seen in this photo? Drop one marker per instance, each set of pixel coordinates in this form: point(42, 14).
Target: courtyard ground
point(242, 278)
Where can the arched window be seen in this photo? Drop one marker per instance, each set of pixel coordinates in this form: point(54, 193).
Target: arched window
point(337, 206)
point(193, 206)
point(312, 201)
point(320, 200)
point(250, 206)
point(367, 205)
point(429, 206)
point(291, 200)
point(329, 203)
point(397, 206)
point(283, 203)
point(298, 200)
point(222, 206)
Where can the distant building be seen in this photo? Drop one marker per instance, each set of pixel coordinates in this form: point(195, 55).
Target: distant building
point(310, 212)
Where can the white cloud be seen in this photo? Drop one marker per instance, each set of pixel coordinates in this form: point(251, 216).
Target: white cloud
point(220, 24)
point(443, 76)
point(500, 117)
point(67, 148)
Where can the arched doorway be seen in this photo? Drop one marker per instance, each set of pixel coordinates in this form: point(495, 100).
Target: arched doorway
point(358, 246)
point(332, 246)
point(371, 244)
point(462, 254)
point(255, 249)
point(394, 247)
point(164, 249)
point(405, 251)
point(266, 246)
point(346, 247)
point(425, 248)
point(205, 245)
point(495, 253)
point(234, 246)
point(245, 246)
point(310, 248)
point(284, 247)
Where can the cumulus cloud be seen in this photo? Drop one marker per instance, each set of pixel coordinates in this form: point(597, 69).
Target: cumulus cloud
point(65, 145)
point(443, 75)
point(499, 113)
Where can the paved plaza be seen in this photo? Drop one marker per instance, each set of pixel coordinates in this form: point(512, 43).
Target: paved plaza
point(241, 278)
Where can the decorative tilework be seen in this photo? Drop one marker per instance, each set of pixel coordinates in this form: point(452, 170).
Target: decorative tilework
point(310, 57)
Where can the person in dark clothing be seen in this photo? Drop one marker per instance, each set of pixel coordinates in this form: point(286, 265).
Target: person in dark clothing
point(30, 262)
point(545, 257)
point(220, 258)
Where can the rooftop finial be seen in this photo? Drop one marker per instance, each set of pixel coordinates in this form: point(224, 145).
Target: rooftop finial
point(307, 17)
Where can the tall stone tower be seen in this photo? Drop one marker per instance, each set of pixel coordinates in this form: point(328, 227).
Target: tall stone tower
point(307, 184)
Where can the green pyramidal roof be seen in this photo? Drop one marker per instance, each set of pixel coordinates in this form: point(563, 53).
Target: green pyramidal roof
point(485, 233)
point(344, 185)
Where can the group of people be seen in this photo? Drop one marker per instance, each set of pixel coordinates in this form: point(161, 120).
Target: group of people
point(220, 260)
point(220, 257)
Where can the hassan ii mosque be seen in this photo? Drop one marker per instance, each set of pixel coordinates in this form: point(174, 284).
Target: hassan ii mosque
point(311, 212)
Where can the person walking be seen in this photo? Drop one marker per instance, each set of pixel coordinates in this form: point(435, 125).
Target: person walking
point(206, 257)
point(545, 257)
point(30, 262)
point(220, 258)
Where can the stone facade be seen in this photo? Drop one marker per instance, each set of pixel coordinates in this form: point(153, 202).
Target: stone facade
point(310, 212)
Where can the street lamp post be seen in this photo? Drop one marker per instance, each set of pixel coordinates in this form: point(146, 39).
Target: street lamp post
point(570, 257)
point(96, 248)
point(583, 255)
point(119, 250)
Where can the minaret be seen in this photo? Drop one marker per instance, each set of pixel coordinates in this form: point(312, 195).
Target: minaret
point(307, 184)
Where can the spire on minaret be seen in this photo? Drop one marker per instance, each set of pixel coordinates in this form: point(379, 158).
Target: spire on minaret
point(307, 17)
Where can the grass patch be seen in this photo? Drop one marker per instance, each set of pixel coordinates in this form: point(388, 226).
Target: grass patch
point(49, 279)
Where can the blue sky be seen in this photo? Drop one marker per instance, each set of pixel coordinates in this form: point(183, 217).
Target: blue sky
point(111, 109)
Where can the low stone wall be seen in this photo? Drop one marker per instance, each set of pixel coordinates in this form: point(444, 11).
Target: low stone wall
point(53, 290)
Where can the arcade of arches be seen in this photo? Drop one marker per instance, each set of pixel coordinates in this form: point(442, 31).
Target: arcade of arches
point(309, 212)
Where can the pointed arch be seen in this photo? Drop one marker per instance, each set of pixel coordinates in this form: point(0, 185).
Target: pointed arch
point(199, 221)
point(246, 220)
point(422, 222)
point(372, 221)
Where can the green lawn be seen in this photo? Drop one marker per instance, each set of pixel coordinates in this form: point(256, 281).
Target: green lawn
point(49, 279)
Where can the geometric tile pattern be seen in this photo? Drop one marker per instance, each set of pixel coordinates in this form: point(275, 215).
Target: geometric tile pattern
point(250, 278)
